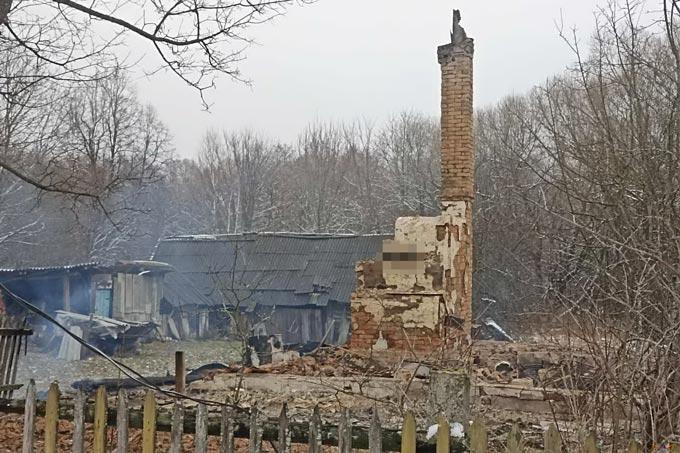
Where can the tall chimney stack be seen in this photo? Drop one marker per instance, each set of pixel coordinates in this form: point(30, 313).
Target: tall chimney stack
point(457, 149)
point(458, 163)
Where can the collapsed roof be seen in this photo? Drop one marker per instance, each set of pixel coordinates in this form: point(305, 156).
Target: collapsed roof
point(245, 270)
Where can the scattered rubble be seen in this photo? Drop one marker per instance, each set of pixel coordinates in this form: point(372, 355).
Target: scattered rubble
point(109, 335)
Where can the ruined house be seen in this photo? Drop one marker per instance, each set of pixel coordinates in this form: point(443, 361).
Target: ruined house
point(418, 296)
point(293, 284)
point(114, 307)
point(127, 290)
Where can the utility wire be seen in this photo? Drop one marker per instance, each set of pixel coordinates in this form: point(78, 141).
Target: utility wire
point(125, 369)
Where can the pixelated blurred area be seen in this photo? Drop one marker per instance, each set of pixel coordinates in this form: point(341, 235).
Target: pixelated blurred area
point(403, 258)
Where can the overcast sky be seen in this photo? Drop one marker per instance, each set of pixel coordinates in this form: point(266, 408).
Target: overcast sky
point(346, 59)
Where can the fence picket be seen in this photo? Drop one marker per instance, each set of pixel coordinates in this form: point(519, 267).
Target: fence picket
point(29, 418)
point(227, 429)
point(149, 423)
point(284, 432)
point(634, 447)
point(122, 422)
point(408, 434)
point(345, 432)
point(51, 418)
point(375, 433)
point(552, 440)
point(100, 401)
point(478, 440)
point(177, 428)
point(590, 444)
point(315, 431)
point(478, 437)
point(201, 436)
point(515, 442)
point(255, 441)
point(443, 435)
point(79, 422)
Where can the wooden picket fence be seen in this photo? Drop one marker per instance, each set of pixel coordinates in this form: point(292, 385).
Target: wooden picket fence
point(315, 434)
point(12, 340)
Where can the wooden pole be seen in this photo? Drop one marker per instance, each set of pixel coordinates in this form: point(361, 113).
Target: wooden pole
point(51, 418)
point(284, 432)
point(443, 435)
point(515, 441)
point(552, 441)
point(122, 422)
point(375, 433)
point(149, 424)
point(29, 418)
point(227, 430)
point(315, 431)
point(255, 440)
point(67, 292)
point(345, 432)
point(100, 413)
point(180, 372)
point(79, 422)
point(478, 436)
point(177, 427)
point(201, 435)
point(408, 434)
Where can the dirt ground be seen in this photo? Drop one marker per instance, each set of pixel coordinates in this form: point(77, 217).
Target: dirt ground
point(154, 359)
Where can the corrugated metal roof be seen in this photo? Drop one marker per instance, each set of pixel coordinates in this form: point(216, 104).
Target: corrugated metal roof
point(286, 269)
point(69, 267)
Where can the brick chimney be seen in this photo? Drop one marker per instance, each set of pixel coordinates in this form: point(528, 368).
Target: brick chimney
point(458, 162)
point(457, 149)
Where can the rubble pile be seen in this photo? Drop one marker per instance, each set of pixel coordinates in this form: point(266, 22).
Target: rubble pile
point(327, 361)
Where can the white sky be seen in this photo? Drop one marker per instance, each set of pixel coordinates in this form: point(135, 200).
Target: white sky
point(348, 59)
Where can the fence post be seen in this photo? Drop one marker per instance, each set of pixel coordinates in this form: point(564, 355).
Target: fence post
point(180, 372)
point(634, 447)
point(227, 427)
point(201, 435)
point(590, 444)
point(345, 432)
point(51, 418)
point(478, 438)
point(29, 418)
point(79, 422)
point(375, 433)
point(177, 427)
point(408, 434)
point(255, 441)
point(149, 423)
point(443, 435)
point(100, 401)
point(122, 422)
point(515, 442)
point(552, 440)
point(315, 431)
point(284, 432)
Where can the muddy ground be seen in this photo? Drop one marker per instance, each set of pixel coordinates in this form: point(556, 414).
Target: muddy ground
point(154, 359)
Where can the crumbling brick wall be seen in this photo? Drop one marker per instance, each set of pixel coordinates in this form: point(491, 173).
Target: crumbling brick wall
point(429, 306)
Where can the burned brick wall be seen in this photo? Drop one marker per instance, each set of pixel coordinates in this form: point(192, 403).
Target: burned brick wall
point(417, 298)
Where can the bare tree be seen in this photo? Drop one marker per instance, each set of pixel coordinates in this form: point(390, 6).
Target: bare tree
point(317, 181)
point(592, 162)
point(74, 42)
point(409, 148)
point(236, 170)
